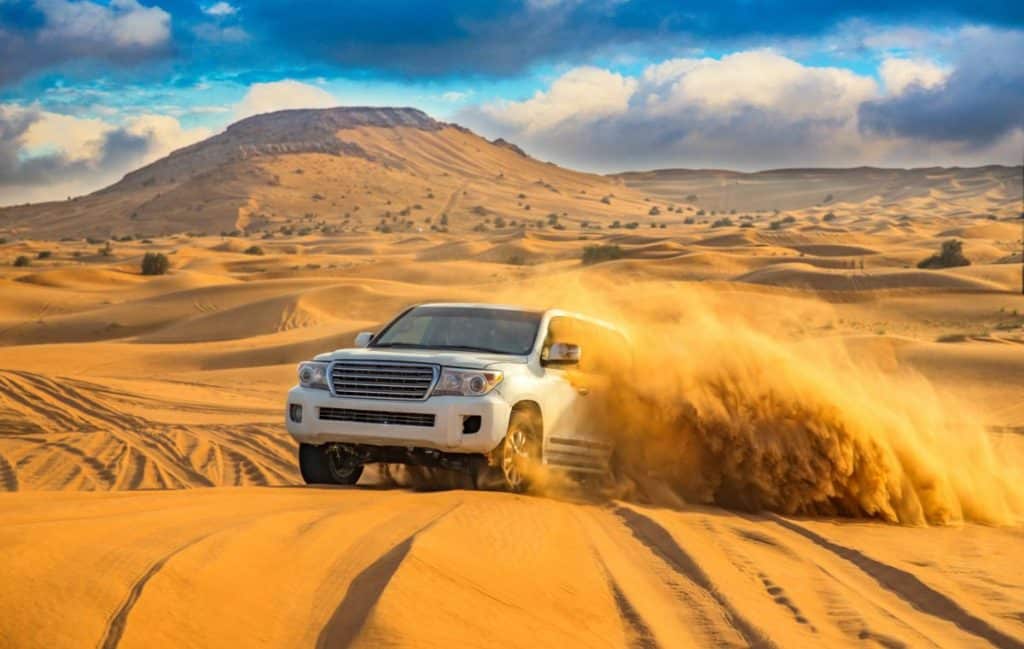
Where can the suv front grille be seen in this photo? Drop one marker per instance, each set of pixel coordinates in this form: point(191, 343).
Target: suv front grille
point(382, 380)
point(377, 417)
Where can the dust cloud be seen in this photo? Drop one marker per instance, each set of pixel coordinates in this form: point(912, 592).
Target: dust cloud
point(721, 407)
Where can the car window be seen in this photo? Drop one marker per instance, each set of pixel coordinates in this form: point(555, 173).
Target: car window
point(503, 331)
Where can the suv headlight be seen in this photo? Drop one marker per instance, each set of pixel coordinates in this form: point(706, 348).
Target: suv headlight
point(313, 374)
point(466, 383)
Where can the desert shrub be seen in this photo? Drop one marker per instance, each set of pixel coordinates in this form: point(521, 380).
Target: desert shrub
point(479, 227)
point(654, 211)
point(689, 221)
point(633, 225)
point(92, 242)
point(499, 222)
point(722, 223)
point(691, 198)
point(44, 254)
point(155, 263)
point(254, 250)
point(105, 251)
point(444, 219)
point(598, 253)
point(829, 217)
point(22, 261)
point(950, 256)
point(607, 200)
point(615, 224)
point(3, 240)
point(746, 224)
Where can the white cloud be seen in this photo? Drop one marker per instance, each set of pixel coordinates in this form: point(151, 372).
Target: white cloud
point(47, 156)
point(749, 110)
point(899, 74)
point(580, 95)
point(281, 95)
point(124, 23)
point(220, 9)
point(455, 96)
point(760, 80)
point(73, 137)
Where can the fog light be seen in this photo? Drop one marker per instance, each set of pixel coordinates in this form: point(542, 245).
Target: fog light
point(295, 413)
point(470, 424)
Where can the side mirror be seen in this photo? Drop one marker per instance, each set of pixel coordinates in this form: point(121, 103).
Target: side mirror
point(363, 338)
point(563, 354)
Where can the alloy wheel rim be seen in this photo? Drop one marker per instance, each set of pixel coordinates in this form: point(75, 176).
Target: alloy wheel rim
point(339, 470)
point(514, 458)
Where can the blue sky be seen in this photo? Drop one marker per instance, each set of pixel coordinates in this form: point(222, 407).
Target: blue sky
point(92, 88)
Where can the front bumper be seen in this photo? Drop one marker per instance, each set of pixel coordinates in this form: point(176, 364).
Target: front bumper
point(446, 433)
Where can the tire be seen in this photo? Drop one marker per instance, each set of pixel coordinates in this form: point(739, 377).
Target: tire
point(518, 455)
point(319, 465)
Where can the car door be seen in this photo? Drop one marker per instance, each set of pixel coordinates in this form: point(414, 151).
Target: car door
point(575, 439)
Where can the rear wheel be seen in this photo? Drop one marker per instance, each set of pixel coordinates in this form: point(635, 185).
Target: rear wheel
point(327, 465)
point(519, 454)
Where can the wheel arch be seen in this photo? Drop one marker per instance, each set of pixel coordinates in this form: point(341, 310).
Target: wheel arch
point(532, 408)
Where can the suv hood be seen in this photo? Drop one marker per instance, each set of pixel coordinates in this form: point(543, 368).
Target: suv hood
point(448, 357)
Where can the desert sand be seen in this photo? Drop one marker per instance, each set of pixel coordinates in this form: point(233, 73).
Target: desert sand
point(845, 471)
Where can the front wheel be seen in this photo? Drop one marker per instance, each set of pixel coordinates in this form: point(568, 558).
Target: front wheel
point(519, 454)
point(327, 465)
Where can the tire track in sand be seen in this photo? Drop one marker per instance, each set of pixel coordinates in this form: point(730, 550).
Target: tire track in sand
point(366, 588)
point(658, 540)
point(909, 588)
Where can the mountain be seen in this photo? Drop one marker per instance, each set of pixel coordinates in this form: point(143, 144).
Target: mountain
point(398, 169)
point(342, 168)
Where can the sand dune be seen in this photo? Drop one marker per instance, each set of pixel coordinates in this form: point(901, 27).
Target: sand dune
point(358, 567)
point(801, 365)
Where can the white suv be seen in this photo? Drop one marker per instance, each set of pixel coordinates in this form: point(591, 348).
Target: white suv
point(490, 390)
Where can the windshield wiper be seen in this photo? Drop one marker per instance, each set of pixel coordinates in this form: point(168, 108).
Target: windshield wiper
point(405, 345)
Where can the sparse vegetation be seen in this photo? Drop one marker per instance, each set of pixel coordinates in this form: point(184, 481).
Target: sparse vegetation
point(829, 217)
point(599, 253)
point(654, 211)
point(951, 255)
point(44, 254)
point(254, 250)
point(723, 223)
point(155, 263)
point(22, 261)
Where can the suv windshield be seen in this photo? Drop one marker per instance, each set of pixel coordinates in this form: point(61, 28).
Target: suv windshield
point(500, 331)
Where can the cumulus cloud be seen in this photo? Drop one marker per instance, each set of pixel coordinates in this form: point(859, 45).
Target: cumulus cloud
point(44, 155)
point(755, 80)
point(220, 9)
point(899, 74)
point(749, 110)
point(976, 104)
point(281, 95)
point(582, 94)
point(122, 31)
